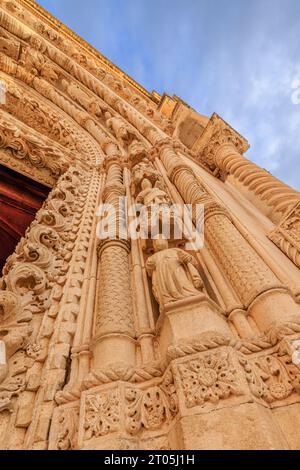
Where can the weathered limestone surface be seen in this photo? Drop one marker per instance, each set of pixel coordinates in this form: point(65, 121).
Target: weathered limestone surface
point(132, 344)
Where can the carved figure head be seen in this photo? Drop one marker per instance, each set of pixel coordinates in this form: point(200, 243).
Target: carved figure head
point(146, 184)
point(160, 244)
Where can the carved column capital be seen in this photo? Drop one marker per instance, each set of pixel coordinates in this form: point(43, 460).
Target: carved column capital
point(103, 244)
point(223, 139)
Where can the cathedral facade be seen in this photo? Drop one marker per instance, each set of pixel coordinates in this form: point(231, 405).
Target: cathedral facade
point(122, 342)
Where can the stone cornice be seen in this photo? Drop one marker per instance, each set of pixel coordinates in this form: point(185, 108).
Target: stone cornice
point(44, 15)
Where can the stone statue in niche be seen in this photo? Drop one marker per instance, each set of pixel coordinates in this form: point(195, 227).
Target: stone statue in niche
point(150, 196)
point(174, 274)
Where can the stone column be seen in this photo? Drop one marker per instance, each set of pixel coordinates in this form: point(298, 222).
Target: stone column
point(267, 301)
point(145, 326)
point(114, 330)
point(224, 152)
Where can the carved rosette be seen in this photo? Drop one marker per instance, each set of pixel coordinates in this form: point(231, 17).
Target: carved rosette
point(210, 380)
point(32, 289)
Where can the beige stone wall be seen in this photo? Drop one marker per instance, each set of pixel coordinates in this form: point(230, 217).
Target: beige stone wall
point(127, 344)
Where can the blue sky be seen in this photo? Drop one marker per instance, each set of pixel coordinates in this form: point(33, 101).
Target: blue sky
point(239, 58)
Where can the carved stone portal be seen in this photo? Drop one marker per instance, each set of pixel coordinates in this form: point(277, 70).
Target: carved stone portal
point(124, 343)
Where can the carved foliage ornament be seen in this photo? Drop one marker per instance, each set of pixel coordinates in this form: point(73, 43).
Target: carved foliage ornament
point(102, 414)
point(68, 424)
point(111, 81)
point(272, 377)
point(32, 279)
point(151, 408)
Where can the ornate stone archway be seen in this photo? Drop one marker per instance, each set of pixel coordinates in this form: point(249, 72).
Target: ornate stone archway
point(97, 348)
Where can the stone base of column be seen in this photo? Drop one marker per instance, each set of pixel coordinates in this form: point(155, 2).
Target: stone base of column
point(188, 318)
point(274, 308)
point(113, 348)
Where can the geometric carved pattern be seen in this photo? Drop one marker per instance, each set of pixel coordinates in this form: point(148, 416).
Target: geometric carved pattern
point(114, 274)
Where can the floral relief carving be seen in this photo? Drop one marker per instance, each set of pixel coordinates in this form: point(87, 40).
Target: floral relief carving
point(102, 414)
point(35, 111)
point(272, 377)
point(67, 425)
point(120, 129)
point(209, 378)
point(151, 408)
